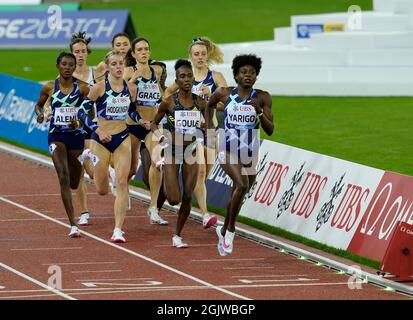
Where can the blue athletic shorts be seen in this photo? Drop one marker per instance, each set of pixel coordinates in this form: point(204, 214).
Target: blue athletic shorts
point(117, 139)
point(74, 140)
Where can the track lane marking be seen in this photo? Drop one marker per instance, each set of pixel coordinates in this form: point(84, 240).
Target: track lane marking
point(159, 264)
point(25, 276)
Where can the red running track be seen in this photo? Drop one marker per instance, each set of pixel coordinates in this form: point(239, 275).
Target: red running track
point(35, 249)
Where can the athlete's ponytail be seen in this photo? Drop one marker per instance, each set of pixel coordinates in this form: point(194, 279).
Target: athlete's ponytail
point(215, 55)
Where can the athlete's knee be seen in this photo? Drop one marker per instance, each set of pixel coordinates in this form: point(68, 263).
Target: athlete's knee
point(186, 197)
point(121, 184)
point(102, 190)
point(173, 199)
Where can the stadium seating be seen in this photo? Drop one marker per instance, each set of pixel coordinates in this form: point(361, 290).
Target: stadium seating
point(371, 56)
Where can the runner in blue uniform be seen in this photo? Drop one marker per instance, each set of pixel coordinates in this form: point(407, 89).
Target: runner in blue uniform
point(114, 98)
point(65, 138)
point(149, 93)
point(79, 46)
point(181, 133)
point(245, 110)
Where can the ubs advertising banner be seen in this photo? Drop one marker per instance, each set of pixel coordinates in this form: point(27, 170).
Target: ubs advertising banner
point(340, 203)
point(17, 118)
point(54, 28)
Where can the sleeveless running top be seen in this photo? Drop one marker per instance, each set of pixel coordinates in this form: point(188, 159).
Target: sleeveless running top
point(183, 120)
point(148, 93)
point(241, 123)
point(208, 82)
point(64, 108)
point(113, 105)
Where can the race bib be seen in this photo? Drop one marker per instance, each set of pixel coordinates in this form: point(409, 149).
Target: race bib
point(63, 116)
point(117, 107)
point(148, 94)
point(241, 116)
point(187, 121)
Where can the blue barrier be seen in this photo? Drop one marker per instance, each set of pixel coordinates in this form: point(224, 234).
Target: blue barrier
point(17, 118)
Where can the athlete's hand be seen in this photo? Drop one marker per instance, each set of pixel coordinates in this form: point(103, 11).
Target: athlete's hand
point(103, 136)
point(146, 124)
point(40, 118)
point(47, 116)
point(205, 92)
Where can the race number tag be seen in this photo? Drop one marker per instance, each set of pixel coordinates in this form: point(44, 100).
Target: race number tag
point(63, 116)
point(241, 116)
point(148, 94)
point(117, 107)
point(187, 121)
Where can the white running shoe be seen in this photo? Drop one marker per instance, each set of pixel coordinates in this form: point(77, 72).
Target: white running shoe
point(74, 232)
point(178, 242)
point(228, 243)
point(221, 250)
point(153, 213)
point(84, 219)
point(209, 220)
point(118, 236)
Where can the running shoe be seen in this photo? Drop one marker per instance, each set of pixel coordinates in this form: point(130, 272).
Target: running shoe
point(117, 236)
point(74, 232)
point(221, 250)
point(228, 243)
point(178, 242)
point(209, 220)
point(153, 213)
point(84, 219)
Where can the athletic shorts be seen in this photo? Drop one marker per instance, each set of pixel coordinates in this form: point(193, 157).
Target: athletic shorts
point(138, 131)
point(117, 139)
point(74, 140)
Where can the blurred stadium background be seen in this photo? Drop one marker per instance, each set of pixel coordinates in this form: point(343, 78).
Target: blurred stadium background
point(375, 131)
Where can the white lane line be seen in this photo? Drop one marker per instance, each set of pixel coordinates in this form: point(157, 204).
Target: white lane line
point(160, 264)
point(272, 275)
point(87, 291)
point(25, 276)
point(96, 271)
point(40, 249)
point(257, 267)
point(128, 279)
point(224, 260)
point(190, 245)
point(75, 263)
point(39, 195)
point(275, 280)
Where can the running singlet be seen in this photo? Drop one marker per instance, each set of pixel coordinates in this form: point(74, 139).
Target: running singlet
point(183, 120)
point(148, 93)
point(64, 108)
point(208, 82)
point(113, 105)
point(241, 123)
